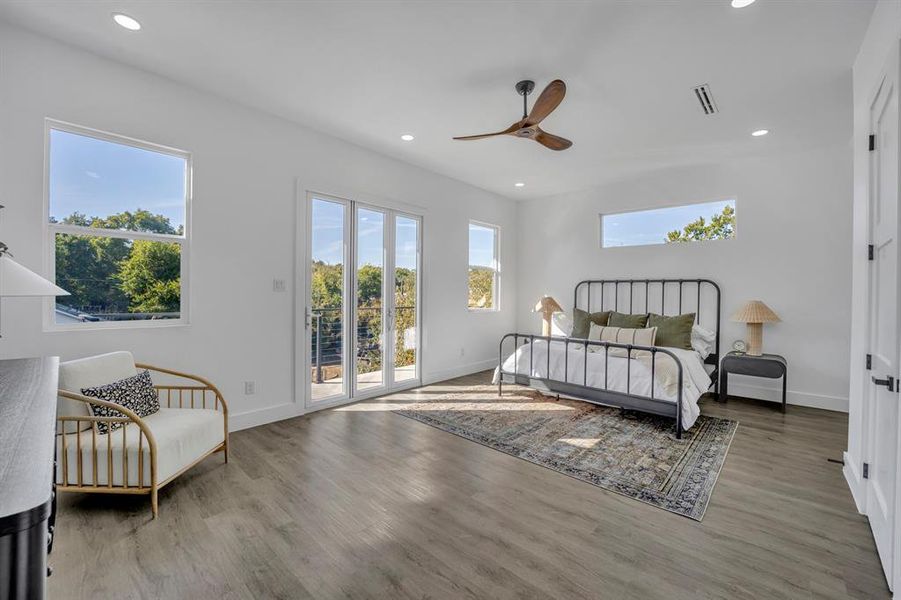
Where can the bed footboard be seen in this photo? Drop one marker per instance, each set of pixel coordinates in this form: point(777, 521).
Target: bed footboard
point(581, 390)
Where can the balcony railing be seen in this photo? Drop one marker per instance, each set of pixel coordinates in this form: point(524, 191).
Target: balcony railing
point(328, 344)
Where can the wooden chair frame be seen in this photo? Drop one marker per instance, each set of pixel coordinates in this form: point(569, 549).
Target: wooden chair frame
point(186, 397)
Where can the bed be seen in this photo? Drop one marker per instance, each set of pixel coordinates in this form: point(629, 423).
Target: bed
point(659, 380)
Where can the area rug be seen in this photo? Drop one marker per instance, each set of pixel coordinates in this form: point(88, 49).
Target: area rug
point(636, 455)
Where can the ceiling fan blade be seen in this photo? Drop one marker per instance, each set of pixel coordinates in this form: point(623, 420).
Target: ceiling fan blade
point(554, 142)
point(549, 99)
point(510, 129)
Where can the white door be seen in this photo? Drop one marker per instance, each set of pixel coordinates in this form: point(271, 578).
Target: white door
point(882, 455)
point(362, 308)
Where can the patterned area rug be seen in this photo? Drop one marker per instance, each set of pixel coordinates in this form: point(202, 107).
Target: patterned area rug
point(636, 455)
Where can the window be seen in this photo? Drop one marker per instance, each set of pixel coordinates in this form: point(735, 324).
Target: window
point(688, 223)
point(484, 274)
point(118, 228)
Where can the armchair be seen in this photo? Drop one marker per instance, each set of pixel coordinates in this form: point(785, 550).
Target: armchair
point(146, 453)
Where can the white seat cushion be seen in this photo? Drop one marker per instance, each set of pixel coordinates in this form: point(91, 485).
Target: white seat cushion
point(182, 436)
point(74, 375)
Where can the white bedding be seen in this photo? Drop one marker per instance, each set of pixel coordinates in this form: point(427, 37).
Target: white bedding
point(695, 380)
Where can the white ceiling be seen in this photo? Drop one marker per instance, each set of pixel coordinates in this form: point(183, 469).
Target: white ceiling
point(370, 71)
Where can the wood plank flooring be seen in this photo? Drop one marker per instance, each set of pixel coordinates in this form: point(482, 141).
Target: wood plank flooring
point(362, 503)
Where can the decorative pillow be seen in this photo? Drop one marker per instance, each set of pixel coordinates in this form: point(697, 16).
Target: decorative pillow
point(582, 321)
point(561, 324)
point(674, 332)
point(627, 321)
point(703, 341)
point(622, 335)
point(134, 393)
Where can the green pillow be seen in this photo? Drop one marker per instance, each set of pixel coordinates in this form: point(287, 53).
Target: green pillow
point(674, 332)
point(627, 321)
point(582, 321)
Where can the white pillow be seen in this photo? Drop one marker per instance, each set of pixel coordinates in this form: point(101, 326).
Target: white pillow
point(561, 324)
point(703, 341)
point(621, 335)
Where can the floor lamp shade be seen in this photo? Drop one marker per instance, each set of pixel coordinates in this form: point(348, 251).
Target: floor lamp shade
point(16, 280)
point(755, 313)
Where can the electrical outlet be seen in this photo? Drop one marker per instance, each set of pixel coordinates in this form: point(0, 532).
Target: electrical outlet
point(278, 285)
point(462, 352)
point(249, 388)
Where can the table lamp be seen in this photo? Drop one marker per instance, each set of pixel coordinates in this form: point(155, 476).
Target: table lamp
point(755, 313)
point(19, 281)
point(547, 306)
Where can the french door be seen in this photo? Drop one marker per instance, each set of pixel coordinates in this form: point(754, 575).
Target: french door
point(363, 302)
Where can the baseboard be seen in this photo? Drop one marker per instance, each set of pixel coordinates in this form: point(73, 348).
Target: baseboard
point(835, 403)
point(261, 416)
point(288, 410)
point(459, 371)
point(855, 482)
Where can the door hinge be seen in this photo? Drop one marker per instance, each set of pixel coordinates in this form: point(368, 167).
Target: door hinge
point(866, 470)
point(869, 362)
point(870, 251)
point(872, 142)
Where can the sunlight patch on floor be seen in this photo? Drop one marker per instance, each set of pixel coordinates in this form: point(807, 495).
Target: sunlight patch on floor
point(455, 406)
point(581, 442)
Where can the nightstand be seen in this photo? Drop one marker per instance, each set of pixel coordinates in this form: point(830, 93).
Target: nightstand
point(772, 366)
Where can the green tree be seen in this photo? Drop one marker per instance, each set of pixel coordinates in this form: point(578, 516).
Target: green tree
point(720, 227)
point(150, 277)
point(91, 268)
point(481, 287)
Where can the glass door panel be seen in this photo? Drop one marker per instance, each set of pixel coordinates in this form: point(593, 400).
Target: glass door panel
point(328, 284)
point(406, 299)
point(370, 306)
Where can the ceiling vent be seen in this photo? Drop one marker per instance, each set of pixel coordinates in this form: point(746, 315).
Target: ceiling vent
point(705, 97)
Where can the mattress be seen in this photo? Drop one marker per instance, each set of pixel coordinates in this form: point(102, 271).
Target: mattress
point(631, 375)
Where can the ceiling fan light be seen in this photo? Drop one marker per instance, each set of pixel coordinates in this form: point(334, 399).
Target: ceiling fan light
point(742, 3)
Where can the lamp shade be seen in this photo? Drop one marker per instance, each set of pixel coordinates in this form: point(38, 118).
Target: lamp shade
point(16, 280)
point(548, 305)
point(755, 311)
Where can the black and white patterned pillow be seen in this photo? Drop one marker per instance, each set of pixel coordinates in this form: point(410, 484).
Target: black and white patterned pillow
point(134, 393)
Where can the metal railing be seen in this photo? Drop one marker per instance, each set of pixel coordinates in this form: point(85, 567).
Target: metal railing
point(328, 336)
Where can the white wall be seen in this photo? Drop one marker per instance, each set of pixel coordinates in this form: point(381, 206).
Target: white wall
point(791, 251)
point(246, 165)
point(882, 38)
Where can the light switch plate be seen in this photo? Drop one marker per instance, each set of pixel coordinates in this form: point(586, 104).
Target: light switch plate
point(278, 285)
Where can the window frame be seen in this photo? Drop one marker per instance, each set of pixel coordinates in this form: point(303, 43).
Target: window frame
point(52, 229)
point(496, 281)
point(601, 215)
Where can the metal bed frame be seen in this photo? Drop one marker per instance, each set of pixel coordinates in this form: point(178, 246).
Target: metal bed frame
point(604, 395)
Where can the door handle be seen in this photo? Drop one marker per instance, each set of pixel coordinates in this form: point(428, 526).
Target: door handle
point(888, 382)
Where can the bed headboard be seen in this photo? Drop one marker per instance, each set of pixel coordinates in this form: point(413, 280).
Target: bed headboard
point(662, 296)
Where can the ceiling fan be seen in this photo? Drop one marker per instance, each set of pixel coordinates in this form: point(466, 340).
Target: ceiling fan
point(527, 127)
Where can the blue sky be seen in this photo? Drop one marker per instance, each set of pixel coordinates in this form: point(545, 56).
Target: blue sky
point(651, 226)
point(481, 246)
point(100, 178)
point(328, 236)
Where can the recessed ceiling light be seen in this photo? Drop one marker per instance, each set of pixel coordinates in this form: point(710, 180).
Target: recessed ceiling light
point(742, 3)
point(519, 184)
point(760, 132)
point(127, 22)
point(407, 137)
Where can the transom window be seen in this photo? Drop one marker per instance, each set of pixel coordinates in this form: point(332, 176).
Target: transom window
point(118, 222)
point(484, 271)
point(673, 224)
